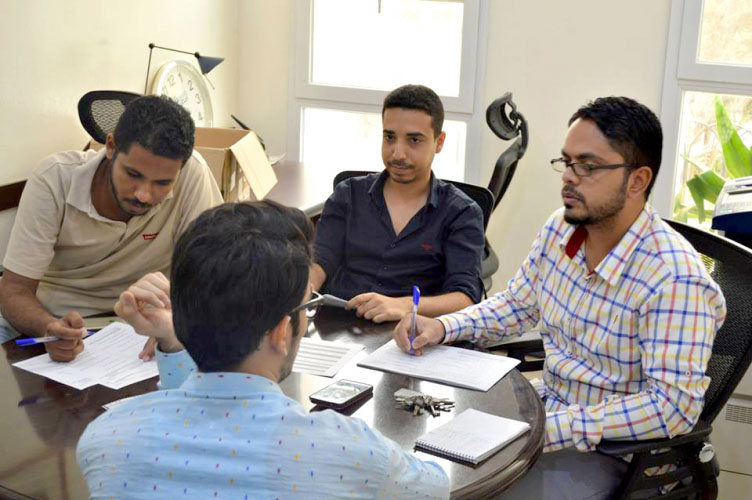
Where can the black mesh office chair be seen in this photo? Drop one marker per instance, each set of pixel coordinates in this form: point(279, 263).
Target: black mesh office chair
point(507, 123)
point(100, 110)
point(730, 265)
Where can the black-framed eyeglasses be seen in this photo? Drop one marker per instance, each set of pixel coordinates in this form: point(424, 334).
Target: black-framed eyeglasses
point(311, 307)
point(584, 169)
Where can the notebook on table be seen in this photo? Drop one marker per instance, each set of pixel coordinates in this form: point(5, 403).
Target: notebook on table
point(472, 436)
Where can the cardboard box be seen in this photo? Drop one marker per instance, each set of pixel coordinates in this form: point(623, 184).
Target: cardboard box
point(238, 162)
point(236, 159)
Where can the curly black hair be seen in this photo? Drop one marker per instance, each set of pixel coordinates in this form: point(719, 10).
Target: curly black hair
point(158, 124)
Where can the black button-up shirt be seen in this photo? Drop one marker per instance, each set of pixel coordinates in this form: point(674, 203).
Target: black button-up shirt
point(439, 250)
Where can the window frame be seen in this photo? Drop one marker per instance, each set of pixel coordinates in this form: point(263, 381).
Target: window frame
point(467, 107)
point(683, 73)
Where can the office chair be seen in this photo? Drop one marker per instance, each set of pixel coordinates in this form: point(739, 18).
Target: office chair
point(730, 265)
point(507, 123)
point(100, 110)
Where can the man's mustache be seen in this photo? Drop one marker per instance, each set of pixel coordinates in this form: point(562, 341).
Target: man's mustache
point(137, 203)
point(570, 191)
point(398, 163)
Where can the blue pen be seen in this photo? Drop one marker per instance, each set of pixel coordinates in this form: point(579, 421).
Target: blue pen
point(42, 340)
point(416, 300)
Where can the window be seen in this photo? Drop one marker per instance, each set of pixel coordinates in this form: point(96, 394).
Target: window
point(708, 67)
point(351, 53)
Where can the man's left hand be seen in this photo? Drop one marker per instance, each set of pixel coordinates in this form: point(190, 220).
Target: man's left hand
point(380, 308)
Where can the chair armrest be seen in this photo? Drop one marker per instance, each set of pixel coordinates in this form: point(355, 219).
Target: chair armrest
point(620, 448)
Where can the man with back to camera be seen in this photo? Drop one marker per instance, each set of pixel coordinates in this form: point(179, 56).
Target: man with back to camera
point(238, 302)
point(382, 233)
point(90, 223)
point(626, 307)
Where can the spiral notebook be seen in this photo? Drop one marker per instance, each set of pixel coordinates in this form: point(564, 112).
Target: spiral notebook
point(472, 436)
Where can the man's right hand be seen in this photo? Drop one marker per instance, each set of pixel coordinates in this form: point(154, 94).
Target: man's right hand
point(429, 332)
point(70, 330)
point(146, 306)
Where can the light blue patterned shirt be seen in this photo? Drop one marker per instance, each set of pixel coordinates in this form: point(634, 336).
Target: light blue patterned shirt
point(233, 435)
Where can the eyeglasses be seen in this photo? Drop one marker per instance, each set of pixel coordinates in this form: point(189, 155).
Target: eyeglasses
point(584, 169)
point(311, 307)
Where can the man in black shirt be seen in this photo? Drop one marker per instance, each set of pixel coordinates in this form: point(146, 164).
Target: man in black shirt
point(382, 233)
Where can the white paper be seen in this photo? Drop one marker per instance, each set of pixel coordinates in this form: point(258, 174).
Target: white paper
point(109, 358)
point(443, 364)
point(322, 357)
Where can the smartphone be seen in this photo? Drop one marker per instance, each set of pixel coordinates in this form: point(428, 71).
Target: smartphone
point(341, 394)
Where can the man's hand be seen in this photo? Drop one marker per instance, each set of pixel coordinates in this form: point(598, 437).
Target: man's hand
point(428, 332)
point(146, 306)
point(70, 330)
point(379, 308)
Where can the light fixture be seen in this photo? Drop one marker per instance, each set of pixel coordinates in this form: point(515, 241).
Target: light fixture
point(205, 63)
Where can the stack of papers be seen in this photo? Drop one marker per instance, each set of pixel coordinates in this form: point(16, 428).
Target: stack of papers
point(110, 358)
point(443, 364)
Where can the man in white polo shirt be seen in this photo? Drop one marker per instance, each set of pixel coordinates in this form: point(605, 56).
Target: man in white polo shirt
point(90, 224)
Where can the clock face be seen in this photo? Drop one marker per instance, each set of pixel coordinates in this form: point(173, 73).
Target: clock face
point(183, 83)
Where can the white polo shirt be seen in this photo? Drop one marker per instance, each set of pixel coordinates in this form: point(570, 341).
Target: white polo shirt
point(83, 261)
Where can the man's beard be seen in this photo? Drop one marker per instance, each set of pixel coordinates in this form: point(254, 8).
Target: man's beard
point(120, 203)
point(601, 214)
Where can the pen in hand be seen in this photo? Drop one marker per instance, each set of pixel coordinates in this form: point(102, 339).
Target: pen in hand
point(416, 300)
point(43, 340)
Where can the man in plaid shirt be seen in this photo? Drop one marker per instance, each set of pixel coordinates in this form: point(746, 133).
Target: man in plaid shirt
point(626, 309)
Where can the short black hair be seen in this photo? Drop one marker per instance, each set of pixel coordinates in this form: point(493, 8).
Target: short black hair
point(237, 270)
point(417, 97)
point(631, 128)
point(156, 123)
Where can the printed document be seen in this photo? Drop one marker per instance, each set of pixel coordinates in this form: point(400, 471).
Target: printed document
point(443, 364)
point(323, 357)
point(109, 358)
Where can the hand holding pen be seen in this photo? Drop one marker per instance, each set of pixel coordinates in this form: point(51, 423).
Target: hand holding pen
point(44, 340)
point(69, 332)
point(416, 301)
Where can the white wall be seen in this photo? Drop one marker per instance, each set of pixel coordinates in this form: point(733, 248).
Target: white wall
point(263, 76)
point(54, 52)
point(554, 56)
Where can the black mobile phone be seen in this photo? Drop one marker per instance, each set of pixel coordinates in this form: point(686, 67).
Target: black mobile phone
point(341, 394)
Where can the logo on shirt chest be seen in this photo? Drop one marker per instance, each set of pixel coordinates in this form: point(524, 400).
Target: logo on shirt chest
point(427, 247)
point(149, 237)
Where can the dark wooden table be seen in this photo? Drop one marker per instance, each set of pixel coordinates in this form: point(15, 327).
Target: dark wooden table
point(301, 186)
point(42, 420)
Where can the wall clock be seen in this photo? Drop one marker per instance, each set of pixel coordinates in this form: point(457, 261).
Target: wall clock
point(182, 82)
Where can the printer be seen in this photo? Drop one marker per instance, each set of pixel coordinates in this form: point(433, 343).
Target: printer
point(733, 211)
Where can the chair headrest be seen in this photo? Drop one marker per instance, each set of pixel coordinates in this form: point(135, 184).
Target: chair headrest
point(100, 110)
point(503, 118)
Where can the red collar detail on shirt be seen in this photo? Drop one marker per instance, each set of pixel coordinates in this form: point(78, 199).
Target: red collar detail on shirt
point(575, 241)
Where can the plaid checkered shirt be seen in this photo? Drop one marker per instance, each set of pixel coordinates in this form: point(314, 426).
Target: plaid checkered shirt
point(627, 345)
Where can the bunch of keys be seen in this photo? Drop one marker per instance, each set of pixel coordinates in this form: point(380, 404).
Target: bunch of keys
point(417, 402)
